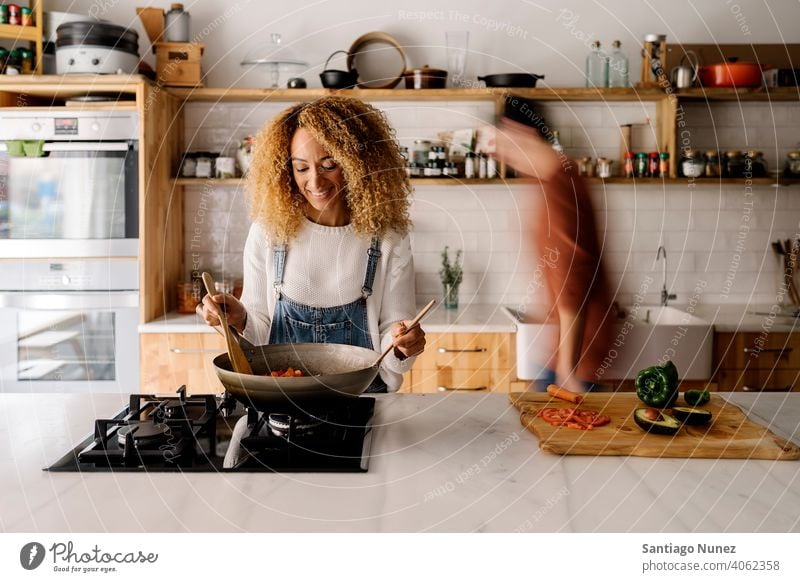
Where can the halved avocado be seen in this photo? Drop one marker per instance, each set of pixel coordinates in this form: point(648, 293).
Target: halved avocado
point(656, 421)
point(692, 416)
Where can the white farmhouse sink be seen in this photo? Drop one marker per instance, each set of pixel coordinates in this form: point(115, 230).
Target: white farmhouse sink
point(647, 335)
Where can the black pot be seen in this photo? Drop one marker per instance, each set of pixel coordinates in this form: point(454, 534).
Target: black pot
point(334, 79)
point(511, 80)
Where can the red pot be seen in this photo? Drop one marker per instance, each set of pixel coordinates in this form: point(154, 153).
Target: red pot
point(731, 74)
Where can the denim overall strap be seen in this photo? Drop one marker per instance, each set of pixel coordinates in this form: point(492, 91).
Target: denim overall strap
point(279, 264)
point(373, 254)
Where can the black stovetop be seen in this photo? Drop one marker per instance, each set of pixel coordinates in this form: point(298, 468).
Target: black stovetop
point(180, 433)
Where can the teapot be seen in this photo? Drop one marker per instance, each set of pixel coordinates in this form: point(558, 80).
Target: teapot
point(683, 76)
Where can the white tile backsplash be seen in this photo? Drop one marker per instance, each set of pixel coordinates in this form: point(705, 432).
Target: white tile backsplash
point(699, 224)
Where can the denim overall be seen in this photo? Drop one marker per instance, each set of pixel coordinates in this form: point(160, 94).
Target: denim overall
point(294, 322)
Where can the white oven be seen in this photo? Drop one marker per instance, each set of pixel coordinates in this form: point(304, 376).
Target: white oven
point(69, 325)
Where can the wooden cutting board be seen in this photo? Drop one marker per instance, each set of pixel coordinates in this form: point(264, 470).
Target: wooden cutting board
point(731, 435)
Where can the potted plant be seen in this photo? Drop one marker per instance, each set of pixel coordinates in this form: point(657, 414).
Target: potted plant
point(451, 274)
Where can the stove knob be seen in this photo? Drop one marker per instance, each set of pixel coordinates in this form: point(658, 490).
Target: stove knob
point(66, 280)
point(36, 126)
point(71, 62)
point(95, 126)
point(95, 62)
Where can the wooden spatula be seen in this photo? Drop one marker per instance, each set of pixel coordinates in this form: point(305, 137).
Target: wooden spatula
point(235, 353)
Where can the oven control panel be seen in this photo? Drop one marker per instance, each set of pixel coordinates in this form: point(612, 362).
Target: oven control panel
point(70, 275)
point(55, 125)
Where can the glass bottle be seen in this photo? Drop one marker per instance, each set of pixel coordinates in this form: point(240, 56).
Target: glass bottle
point(617, 67)
point(596, 67)
point(482, 166)
point(469, 165)
point(556, 143)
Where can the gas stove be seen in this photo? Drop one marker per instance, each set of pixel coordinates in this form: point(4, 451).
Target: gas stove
point(210, 433)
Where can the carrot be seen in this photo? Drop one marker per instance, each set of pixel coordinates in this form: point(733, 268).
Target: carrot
point(564, 394)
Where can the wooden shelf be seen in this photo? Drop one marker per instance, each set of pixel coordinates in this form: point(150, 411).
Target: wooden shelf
point(449, 182)
point(480, 94)
point(762, 94)
point(65, 86)
point(19, 33)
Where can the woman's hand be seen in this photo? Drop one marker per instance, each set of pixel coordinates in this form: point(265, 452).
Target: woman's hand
point(235, 312)
point(406, 342)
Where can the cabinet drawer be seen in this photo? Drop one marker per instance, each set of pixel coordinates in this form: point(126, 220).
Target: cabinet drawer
point(453, 380)
point(750, 351)
point(170, 360)
point(466, 351)
point(759, 380)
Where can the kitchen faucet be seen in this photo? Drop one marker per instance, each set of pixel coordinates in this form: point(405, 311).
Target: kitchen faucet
point(665, 295)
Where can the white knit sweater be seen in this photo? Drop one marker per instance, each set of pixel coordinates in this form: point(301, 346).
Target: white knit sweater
point(325, 267)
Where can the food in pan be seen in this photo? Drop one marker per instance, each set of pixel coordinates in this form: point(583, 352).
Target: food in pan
point(287, 373)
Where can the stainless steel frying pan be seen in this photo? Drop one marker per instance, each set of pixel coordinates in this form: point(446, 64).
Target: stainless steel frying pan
point(331, 371)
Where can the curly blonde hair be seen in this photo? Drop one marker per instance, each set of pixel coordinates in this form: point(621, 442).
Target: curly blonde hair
point(359, 139)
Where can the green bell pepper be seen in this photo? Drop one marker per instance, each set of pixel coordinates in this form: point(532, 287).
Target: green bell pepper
point(657, 386)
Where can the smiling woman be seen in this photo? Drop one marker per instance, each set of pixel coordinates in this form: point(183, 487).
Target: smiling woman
point(328, 258)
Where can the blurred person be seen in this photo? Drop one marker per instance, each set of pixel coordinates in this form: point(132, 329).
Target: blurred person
point(563, 232)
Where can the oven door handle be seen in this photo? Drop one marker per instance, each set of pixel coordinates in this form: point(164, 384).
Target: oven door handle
point(71, 300)
point(86, 146)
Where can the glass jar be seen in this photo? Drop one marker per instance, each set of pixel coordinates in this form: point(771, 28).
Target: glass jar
point(792, 165)
point(734, 164)
point(757, 164)
point(692, 163)
point(652, 164)
point(415, 170)
point(188, 297)
point(641, 167)
point(604, 167)
point(420, 151)
point(189, 165)
point(629, 169)
point(585, 167)
point(663, 164)
point(713, 168)
point(204, 165)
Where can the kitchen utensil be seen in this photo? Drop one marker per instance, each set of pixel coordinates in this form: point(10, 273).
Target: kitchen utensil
point(275, 56)
point(96, 47)
point(731, 435)
point(731, 74)
point(683, 76)
point(511, 80)
point(235, 353)
point(336, 79)
point(423, 312)
point(331, 371)
point(379, 58)
point(425, 78)
point(457, 43)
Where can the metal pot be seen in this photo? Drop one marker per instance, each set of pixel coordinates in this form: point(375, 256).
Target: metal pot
point(425, 78)
point(731, 74)
point(511, 80)
point(683, 76)
point(335, 79)
point(332, 371)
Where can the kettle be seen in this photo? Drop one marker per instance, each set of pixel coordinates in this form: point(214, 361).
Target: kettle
point(683, 76)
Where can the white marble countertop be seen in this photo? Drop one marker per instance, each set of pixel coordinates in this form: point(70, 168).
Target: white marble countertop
point(441, 463)
point(489, 318)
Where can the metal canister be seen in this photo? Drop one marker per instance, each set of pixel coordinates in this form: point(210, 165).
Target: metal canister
point(585, 167)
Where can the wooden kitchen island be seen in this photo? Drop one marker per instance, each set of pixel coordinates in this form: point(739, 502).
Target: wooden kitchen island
point(441, 463)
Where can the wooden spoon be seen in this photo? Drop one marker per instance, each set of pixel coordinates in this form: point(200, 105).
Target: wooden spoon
point(235, 353)
point(414, 323)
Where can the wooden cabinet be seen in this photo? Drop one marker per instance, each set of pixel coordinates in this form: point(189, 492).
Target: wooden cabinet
point(465, 362)
point(170, 360)
point(757, 362)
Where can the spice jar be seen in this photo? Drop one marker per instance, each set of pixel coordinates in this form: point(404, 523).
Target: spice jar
point(663, 164)
point(469, 165)
point(27, 16)
point(26, 64)
point(225, 168)
point(692, 163)
point(189, 165)
point(652, 164)
point(641, 167)
point(3, 14)
point(792, 164)
point(755, 164)
point(188, 297)
point(420, 151)
point(629, 169)
point(734, 164)
point(585, 167)
point(491, 167)
point(205, 165)
point(415, 170)
point(14, 14)
point(604, 167)
point(713, 168)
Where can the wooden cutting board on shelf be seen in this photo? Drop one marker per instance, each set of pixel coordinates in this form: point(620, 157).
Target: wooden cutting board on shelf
point(731, 435)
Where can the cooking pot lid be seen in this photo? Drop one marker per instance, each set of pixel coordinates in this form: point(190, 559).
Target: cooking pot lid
point(97, 34)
